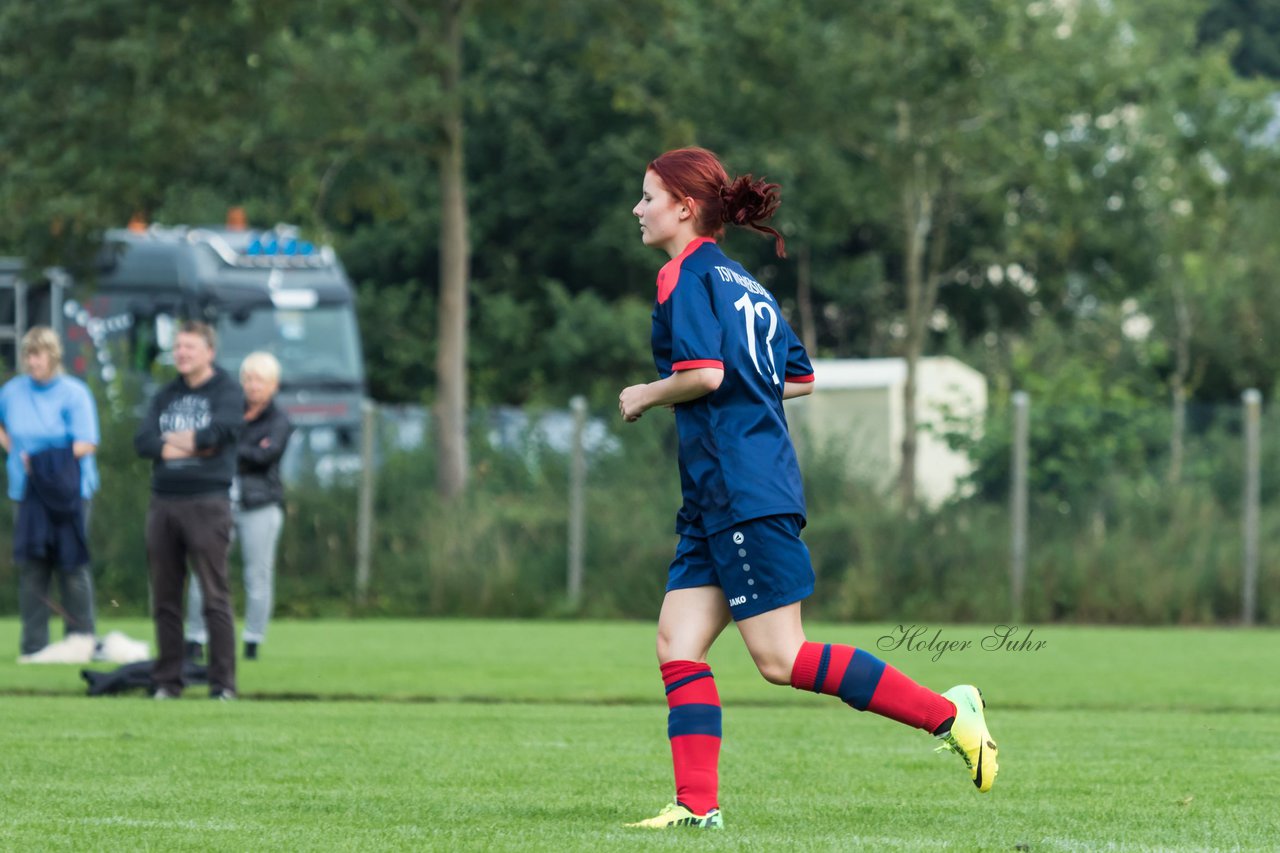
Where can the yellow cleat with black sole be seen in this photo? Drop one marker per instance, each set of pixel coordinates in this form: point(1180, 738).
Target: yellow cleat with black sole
point(969, 737)
point(675, 815)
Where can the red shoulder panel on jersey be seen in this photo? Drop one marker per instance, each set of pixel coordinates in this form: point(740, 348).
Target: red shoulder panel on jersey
point(808, 378)
point(695, 363)
point(669, 275)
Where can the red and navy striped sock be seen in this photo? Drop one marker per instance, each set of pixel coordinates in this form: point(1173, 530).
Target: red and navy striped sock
point(869, 684)
point(693, 724)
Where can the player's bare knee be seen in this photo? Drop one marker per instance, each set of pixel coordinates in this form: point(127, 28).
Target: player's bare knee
point(663, 647)
point(667, 647)
point(774, 671)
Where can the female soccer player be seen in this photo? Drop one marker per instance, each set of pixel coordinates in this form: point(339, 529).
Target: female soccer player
point(728, 359)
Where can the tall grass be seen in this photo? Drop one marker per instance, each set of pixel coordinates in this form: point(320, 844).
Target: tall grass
point(1139, 552)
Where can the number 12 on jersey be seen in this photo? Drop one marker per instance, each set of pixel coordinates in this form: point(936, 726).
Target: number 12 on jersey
point(752, 310)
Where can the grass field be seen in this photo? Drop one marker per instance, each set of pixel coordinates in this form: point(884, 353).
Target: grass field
point(468, 735)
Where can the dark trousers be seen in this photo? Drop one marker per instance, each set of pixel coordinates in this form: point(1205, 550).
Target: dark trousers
point(76, 587)
point(194, 532)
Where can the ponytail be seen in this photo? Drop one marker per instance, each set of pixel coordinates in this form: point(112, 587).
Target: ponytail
point(748, 203)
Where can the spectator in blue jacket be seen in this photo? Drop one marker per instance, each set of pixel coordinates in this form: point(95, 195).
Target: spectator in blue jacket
point(40, 411)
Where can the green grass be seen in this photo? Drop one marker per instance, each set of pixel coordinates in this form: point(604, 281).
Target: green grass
point(547, 736)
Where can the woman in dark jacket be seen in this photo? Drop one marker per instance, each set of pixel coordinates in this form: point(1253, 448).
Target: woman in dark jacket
point(258, 496)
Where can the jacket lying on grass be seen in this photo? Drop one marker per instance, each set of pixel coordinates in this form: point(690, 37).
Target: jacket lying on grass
point(137, 676)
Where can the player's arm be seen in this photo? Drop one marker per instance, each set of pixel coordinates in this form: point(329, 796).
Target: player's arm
point(697, 369)
point(680, 387)
point(792, 389)
point(799, 370)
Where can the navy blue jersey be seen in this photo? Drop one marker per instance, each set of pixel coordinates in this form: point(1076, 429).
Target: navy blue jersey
point(736, 458)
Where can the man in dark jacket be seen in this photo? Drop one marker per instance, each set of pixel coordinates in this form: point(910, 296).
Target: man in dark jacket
point(190, 433)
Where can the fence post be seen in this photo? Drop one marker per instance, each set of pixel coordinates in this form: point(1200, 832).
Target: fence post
point(1252, 488)
point(1018, 503)
point(364, 517)
point(577, 500)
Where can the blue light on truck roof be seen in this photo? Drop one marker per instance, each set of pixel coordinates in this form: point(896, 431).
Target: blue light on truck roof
point(273, 246)
point(278, 248)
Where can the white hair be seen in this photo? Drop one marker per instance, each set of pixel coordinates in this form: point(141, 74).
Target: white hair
point(262, 365)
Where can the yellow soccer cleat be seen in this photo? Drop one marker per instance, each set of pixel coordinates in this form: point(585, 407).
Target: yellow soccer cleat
point(969, 737)
point(677, 815)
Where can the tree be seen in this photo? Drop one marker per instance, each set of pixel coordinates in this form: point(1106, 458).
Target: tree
point(451, 366)
point(451, 353)
point(1188, 142)
point(944, 106)
point(110, 109)
point(1255, 24)
point(954, 173)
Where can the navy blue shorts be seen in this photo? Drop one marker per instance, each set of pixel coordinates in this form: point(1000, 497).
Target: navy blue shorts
point(760, 564)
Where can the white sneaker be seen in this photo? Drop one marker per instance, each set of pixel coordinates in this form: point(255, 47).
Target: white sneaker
point(73, 648)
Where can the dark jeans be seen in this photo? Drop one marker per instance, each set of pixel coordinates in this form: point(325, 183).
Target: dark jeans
point(76, 589)
point(193, 532)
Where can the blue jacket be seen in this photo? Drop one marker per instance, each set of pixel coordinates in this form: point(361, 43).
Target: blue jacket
point(50, 525)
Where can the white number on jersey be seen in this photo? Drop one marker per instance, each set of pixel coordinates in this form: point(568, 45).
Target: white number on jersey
point(752, 311)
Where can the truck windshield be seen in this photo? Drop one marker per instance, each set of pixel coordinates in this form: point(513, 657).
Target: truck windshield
point(313, 345)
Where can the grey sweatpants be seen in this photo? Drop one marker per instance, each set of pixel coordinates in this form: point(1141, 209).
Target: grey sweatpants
point(258, 531)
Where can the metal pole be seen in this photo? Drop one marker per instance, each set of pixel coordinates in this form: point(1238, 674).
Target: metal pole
point(1252, 487)
point(1018, 503)
point(577, 500)
point(59, 284)
point(19, 322)
point(364, 519)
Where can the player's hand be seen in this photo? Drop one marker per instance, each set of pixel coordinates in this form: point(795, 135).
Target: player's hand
point(631, 402)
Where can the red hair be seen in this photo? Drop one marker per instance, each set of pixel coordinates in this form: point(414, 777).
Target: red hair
point(697, 173)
